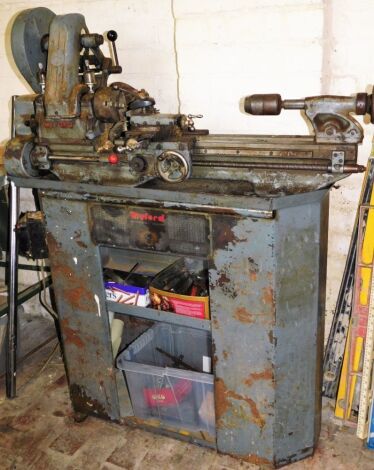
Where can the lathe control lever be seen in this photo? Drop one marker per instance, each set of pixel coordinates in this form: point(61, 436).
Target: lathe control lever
point(112, 37)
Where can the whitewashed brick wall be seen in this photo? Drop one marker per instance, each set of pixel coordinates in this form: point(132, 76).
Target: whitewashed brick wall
point(226, 50)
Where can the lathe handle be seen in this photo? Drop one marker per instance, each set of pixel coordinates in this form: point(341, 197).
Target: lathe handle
point(112, 37)
point(270, 104)
point(267, 104)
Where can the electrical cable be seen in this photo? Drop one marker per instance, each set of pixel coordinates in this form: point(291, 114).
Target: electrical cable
point(44, 302)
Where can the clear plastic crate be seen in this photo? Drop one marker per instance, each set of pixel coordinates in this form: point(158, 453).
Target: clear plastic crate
point(177, 397)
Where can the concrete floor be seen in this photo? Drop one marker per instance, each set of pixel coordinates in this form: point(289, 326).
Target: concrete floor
point(37, 432)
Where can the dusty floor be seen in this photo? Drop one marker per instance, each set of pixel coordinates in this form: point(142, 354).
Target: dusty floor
point(37, 432)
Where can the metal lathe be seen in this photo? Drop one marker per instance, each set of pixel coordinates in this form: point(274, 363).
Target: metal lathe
point(122, 185)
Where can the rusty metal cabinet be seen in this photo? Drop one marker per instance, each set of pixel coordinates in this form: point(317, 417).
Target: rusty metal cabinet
point(267, 265)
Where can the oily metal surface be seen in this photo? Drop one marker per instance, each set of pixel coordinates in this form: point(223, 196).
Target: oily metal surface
point(239, 146)
point(259, 207)
point(291, 165)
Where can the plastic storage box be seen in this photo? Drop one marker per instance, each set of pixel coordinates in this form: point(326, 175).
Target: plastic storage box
point(177, 397)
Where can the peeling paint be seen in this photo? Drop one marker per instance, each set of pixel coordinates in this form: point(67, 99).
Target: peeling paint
point(97, 300)
point(223, 279)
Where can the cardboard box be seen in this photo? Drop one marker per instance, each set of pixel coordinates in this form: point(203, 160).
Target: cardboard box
point(197, 307)
point(162, 299)
point(129, 295)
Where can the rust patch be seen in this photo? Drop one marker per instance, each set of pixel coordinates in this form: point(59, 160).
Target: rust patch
point(64, 270)
point(85, 404)
point(243, 315)
point(223, 233)
point(77, 239)
point(81, 244)
point(267, 295)
point(253, 269)
point(252, 276)
point(71, 336)
point(52, 243)
point(266, 374)
point(223, 404)
point(225, 354)
point(253, 458)
point(271, 337)
point(73, 288)
point(257, 417)
point(214, 355)
point(223, 279)
point(215, 323)
point(225, 284)
point(78, 297)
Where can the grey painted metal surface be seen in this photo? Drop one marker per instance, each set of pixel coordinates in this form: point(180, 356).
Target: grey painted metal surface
point(300, 282)
point(77, 279)
point(241, 297)
point(27, 30)
point(267, 284)
point(159, 315)
point(267, 302)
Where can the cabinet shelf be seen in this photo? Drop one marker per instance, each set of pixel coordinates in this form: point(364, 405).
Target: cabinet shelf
point(158, 315)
